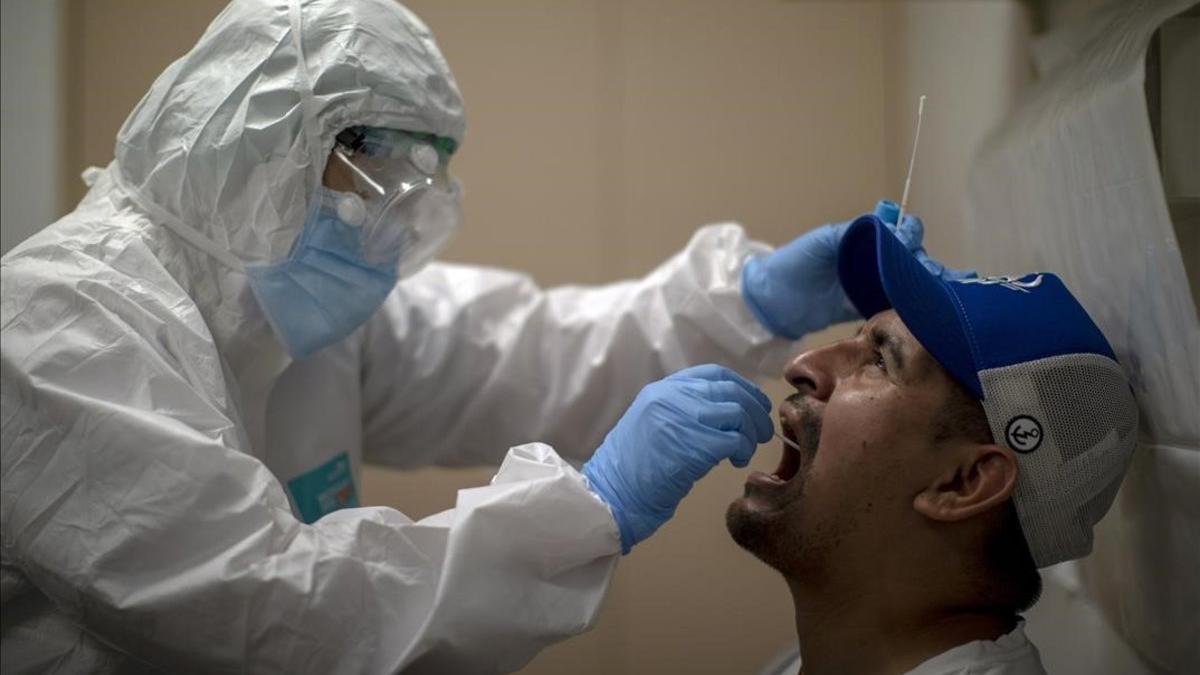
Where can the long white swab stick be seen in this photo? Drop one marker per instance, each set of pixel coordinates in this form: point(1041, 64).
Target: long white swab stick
point(912, 160)
point(787, 441)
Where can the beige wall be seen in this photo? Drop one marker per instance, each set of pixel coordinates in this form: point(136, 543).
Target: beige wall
point(601, 134)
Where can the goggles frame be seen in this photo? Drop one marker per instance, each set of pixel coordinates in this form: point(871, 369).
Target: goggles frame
point(387, 168)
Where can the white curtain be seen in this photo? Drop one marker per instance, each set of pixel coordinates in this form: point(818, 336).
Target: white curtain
point(1070, 183)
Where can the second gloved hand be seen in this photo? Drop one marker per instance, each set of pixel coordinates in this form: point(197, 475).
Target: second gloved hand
point(676, 431)
point(795, 290)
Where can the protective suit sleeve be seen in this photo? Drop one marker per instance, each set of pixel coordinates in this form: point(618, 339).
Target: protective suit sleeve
point(462, 362)
point(126, 505)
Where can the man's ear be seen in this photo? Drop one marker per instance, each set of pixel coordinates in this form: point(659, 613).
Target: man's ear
point(984, 476)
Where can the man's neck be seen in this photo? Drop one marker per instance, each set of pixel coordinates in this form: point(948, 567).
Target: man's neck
point(885, 628)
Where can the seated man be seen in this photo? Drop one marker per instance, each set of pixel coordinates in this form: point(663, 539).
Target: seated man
point(972, 432)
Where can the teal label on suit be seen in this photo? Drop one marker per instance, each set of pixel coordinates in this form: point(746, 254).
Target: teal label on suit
point(325, 489)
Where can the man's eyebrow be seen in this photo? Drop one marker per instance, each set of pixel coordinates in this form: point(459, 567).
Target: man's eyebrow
point(889, 342)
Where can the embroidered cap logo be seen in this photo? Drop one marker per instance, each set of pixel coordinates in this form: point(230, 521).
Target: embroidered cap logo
point(1011, 283)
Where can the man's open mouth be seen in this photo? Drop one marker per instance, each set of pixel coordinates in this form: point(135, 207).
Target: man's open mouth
point(789, 463)
point(801, 431)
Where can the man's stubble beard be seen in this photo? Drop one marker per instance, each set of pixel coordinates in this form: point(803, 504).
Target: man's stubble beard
point(775, 537)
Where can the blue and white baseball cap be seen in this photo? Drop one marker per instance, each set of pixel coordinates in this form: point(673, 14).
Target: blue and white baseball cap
point(1025, 348)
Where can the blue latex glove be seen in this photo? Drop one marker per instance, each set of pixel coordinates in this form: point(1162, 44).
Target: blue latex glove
point(676, 431)
point(795, 290)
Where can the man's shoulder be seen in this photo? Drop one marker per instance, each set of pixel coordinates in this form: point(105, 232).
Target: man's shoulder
point(1009, 654)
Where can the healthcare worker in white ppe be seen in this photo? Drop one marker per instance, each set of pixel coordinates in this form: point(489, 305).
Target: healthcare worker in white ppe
point(199, 357)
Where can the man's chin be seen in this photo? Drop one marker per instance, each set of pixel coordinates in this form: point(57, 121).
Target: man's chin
point(753, 525)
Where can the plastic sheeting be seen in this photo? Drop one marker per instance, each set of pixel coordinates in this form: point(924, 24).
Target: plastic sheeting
point(1070, 183)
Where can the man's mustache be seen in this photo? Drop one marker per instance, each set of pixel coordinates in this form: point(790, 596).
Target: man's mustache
point(808, 432)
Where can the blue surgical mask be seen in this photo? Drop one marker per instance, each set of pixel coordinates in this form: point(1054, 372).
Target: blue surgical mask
point(326, 288)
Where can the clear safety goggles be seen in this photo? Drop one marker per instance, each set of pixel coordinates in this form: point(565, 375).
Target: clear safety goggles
point(403, 198)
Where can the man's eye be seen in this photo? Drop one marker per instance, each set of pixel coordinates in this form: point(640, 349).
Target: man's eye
point(879, 361)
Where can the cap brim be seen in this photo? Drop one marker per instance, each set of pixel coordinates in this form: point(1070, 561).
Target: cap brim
point(878, 273)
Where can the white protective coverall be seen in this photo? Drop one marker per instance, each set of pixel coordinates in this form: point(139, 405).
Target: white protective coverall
point(161, 455)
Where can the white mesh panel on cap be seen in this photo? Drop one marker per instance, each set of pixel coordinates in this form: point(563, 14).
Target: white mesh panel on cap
point(1072, 421)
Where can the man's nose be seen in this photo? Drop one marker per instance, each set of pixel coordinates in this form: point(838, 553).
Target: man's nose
point(815, 372)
